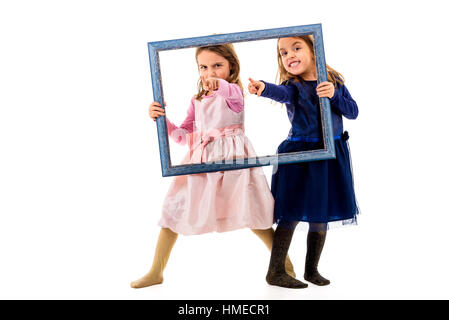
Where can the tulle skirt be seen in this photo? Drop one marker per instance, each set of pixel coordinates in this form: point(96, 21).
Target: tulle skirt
point(318, 192)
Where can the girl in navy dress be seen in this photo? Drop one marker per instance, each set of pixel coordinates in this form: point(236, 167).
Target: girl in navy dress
point(320, 193)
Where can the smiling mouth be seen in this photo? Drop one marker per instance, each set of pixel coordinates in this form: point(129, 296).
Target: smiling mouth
point(293, 64)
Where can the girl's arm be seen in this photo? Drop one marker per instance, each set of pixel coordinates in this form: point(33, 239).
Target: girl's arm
point(233, 95)
point(279, 93)
point(179, 134)
point(343, 103)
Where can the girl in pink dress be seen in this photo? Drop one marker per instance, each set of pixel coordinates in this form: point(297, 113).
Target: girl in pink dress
point(214, 131)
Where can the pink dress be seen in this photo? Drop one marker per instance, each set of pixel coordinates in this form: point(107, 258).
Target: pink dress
point(217, 201)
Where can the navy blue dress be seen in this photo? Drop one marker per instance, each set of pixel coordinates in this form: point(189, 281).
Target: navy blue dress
point(322, 191)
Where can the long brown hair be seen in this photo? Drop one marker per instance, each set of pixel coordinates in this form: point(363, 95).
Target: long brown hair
point(283, 75)
point(227, 51)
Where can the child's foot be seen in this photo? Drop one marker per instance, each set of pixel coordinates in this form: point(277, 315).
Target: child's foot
point(146, 281)
point(316, 278)
point(285, 281)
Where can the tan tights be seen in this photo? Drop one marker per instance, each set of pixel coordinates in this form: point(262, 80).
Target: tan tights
point(165, 243)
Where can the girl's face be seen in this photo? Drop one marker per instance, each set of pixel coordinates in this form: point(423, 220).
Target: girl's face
point(212, 65)
point(297, 58)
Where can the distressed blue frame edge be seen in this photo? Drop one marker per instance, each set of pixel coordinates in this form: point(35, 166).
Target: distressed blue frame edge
point(323, 154)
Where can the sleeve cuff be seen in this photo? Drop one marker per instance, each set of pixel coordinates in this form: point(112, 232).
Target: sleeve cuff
point(222, 87)
point(266, 89)
point(336, 95)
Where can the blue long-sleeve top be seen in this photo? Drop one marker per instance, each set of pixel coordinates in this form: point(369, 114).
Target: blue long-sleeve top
point(303, 107)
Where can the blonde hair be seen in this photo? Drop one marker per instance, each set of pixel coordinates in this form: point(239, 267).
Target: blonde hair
point(283, 75)
point(227, 51)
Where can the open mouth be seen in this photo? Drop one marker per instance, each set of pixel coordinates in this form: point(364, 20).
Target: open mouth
point(293, 64)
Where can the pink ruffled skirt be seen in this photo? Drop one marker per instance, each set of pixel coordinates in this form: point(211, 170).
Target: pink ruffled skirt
point(218, 201)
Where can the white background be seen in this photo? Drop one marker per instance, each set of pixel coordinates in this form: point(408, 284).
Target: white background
point(80, 181)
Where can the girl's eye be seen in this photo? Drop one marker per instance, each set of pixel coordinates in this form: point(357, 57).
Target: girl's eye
point(202, 67)
point(283, 53)
point(297, 48)
point(218, 65)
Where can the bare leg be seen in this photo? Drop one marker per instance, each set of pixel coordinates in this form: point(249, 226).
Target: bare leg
point(165, 243)
point(267, 236)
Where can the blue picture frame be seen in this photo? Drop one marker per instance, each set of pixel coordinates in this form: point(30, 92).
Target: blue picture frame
point(322, 154)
